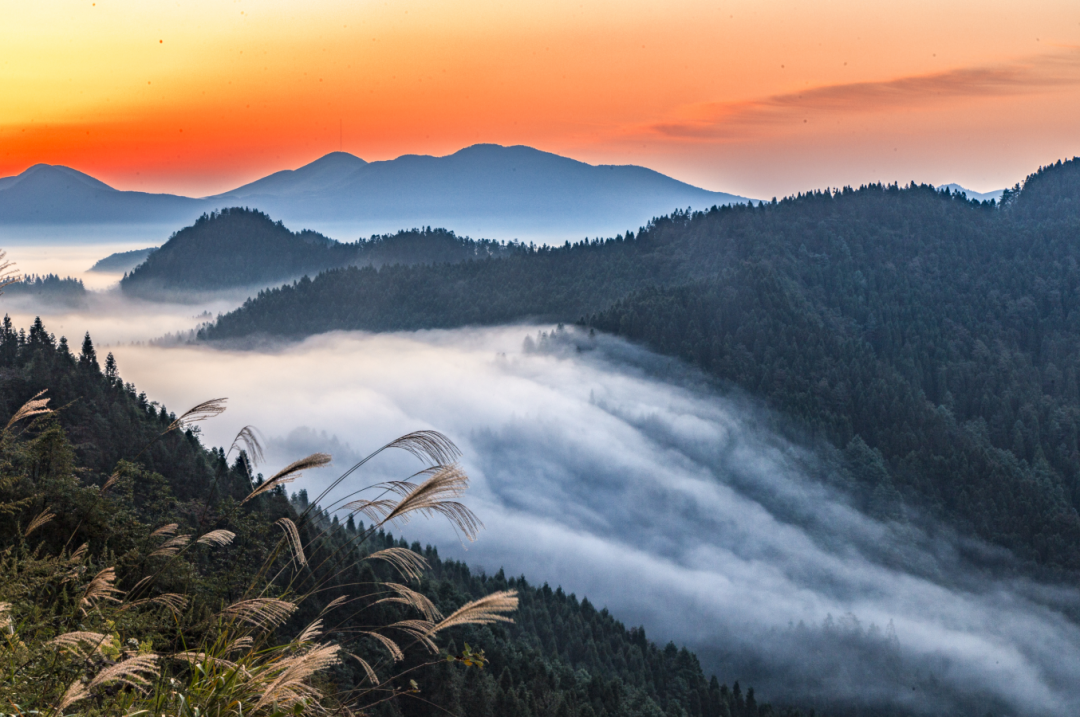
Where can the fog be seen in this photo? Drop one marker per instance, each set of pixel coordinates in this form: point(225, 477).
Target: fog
point(627, 478)
point(671, 504)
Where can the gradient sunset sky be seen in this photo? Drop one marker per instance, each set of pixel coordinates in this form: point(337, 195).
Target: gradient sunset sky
point(758, 98)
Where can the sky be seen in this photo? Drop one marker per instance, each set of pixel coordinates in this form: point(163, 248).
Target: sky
point(758, 98)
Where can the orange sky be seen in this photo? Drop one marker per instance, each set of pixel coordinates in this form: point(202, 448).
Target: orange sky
point(759, 98)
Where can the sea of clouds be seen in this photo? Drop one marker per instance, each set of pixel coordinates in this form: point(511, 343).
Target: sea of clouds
point(629, 479)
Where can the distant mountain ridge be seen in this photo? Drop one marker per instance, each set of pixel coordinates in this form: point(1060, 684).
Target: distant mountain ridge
point(483, 190)
point(971, 194)
point(239, 247)
point(122, 261)
point(47, 194)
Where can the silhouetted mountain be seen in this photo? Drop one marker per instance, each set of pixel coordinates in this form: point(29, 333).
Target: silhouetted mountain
point(122, 261)
point(238, 247)
point(1050, 196)
point(978, 196)
point(484, 190)
point(230, 248)
point(47, 194)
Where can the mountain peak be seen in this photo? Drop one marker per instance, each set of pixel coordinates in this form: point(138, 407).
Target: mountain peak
point(326, 171)
point(56, 174)
point(335, 159)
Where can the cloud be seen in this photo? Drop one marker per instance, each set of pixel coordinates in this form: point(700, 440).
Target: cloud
point(735, 120)
point(626, 477)
point(622, 476)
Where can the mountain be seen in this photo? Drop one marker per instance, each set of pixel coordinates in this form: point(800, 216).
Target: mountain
point(122, 261)
point(47, 194)
point(484, 190)
point(49, 288)
point(978, 196)
point(942, 333)
point(237, 247)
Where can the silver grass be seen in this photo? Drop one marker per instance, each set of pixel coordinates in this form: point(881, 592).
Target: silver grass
point(171, 546)
point(485, 611)
point(292, 535)
point(79, 554)
point(248, 441)
point(392, 647)
point(165, 530)
point(332, 604)
point(42, 518)
point(409, 564)
point(133, 671)
point(290, 473)
point(203, 411)
point(100, 588)
point(290, 688)
point(418, 601)
point(367, 669)
point(263, 613)
point(419, 630)
point(75, 692)
point(110, 482)
point(428, 446)
point(311, 632)
point(435, 496)
point(195, 658)
point(217, 537)
point(374, 510)
point(75, 641)
point(34, 407)
point(173, 602)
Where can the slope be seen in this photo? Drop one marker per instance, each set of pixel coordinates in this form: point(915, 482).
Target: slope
point(483, 189)
point(562, 657)
point(942, 332)
point(46, 194)
point(239, 247)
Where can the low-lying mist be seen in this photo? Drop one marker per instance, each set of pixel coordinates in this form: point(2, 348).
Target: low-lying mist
point(623, 477)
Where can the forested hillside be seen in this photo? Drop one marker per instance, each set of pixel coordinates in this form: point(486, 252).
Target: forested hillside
point(49, 288)
point(943, 334)
point(130, 482)
point(244, 247)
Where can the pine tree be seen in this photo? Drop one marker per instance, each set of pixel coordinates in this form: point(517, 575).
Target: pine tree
point(88, 356)
point(110, 369)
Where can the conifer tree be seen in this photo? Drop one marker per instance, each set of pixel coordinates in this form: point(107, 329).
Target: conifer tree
point(88, 356)
point(111, 372)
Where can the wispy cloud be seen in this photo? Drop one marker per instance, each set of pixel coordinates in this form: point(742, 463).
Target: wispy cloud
point(675, 507)
point(730, 120)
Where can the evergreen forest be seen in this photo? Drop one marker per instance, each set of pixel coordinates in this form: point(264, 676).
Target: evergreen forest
point(934, 340)
point(142, 572)
point(239, 247)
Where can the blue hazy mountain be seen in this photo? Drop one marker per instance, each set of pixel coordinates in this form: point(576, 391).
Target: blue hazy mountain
point(122, 261)
point(980, 196)
point(48, 194)
point(483, 190)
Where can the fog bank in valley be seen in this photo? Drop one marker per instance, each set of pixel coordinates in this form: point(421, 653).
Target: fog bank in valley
point(673, 505)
